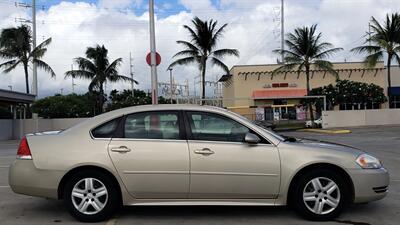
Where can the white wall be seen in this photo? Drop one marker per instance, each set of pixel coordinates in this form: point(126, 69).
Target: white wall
point(352, 118)
point(22, 127)
point(6, 129)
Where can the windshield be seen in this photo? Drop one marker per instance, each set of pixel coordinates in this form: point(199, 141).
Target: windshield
point(277, 136)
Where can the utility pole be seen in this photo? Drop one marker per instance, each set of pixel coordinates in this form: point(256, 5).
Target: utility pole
point(282, 30)
point(154, 82)
point(34, 79)
point(170, 83)
point(131, 73)
point(72, 79)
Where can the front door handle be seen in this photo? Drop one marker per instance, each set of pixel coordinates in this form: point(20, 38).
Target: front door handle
point(121, 149)
point(204, 151)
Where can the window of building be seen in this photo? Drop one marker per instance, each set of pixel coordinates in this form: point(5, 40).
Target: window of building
point(395, 103)
point(152, 125)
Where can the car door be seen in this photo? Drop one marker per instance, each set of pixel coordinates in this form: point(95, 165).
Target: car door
point(152, 155)
point(223, 166)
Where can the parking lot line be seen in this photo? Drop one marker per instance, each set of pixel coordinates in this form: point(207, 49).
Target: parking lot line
point(4, 186)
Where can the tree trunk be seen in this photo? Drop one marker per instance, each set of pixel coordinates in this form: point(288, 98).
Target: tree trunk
point(389, 63)
point(308, 94)
point(203, 79)
point(101, 98)
point(26, 77)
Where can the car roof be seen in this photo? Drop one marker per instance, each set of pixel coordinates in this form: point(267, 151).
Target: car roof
point(166, 107)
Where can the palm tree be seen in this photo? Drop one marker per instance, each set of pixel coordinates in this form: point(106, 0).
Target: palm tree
point(97, 68)
point(384, 38)
point(16, 47)
point(204, 37)
point(305, 49)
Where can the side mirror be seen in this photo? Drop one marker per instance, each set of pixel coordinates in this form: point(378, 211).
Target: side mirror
point(251, 138)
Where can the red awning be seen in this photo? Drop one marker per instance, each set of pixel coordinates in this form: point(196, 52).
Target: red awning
point(279, 93)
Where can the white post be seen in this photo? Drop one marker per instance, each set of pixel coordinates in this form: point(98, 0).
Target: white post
point(282, 29)
point(154, 88)
point(34, 77)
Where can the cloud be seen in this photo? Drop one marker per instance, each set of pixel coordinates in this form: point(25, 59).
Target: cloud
point(112, 4)
point(76, 25)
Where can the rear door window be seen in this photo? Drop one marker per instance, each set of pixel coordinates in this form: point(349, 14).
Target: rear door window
point(153, 125)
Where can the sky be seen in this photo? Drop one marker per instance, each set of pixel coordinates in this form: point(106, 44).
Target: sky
point(122, 27)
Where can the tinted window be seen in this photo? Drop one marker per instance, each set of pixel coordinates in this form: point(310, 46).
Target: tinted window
point(152, 125)
point(212, 127)
point(106, 130)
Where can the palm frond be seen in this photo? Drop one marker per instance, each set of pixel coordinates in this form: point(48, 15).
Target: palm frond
point(186, 53)
point(10, 65)
point(44, 66)
point(7, 54)
point(185, 61)
point(115, 78)
point(218, 34)
point(326, 65)
point(372, 59)
point(284, 68)
point(225, 52)
point(41, 49)
point(112, 68)
point(194, 36)
point(215, 61)
point(85, 64)
point(327, 53)
point(366, 49)
point(188, 45)
point(80, 74)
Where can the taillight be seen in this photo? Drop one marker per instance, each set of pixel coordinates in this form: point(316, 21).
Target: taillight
point(23, 150)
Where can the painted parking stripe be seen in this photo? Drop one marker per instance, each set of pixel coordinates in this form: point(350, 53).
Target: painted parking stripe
point(4, 186)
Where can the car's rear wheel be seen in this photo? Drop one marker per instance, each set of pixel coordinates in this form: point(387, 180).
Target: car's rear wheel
point(91, 196)
point(320, 195)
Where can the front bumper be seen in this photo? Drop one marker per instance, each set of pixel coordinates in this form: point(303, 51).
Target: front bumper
point(369, 184)
point(25, 178)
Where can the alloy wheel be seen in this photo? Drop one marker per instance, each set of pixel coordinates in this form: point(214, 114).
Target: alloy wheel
point(89, 196)
point(321, 195)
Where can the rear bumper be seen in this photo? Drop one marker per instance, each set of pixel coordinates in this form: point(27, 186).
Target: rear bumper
point(25, 178)
point(369, 184)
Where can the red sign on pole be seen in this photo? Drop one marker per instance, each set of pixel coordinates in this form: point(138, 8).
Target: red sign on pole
point(158, 59)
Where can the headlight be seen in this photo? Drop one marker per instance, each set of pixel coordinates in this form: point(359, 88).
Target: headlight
point(368, 162)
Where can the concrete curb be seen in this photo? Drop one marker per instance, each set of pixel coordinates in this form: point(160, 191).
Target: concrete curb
point(326, 131)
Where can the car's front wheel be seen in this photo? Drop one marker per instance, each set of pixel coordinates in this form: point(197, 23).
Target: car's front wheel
point(91, 196)
point(320, 195)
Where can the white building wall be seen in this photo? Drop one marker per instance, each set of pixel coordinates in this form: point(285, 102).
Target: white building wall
point(353, 118)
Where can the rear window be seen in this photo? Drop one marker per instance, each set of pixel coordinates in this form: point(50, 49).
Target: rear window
point(106, 130)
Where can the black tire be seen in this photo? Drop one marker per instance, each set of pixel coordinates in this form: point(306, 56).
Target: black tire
point(299, 205)
point(112, 203)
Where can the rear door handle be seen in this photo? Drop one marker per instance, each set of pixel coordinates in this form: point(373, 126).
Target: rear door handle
point(121, 149)
point(204, 151)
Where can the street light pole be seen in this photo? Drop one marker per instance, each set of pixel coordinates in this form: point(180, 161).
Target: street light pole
point(154, 88)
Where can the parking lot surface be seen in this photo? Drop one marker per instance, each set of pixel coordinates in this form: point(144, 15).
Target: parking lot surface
point(383, 142)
